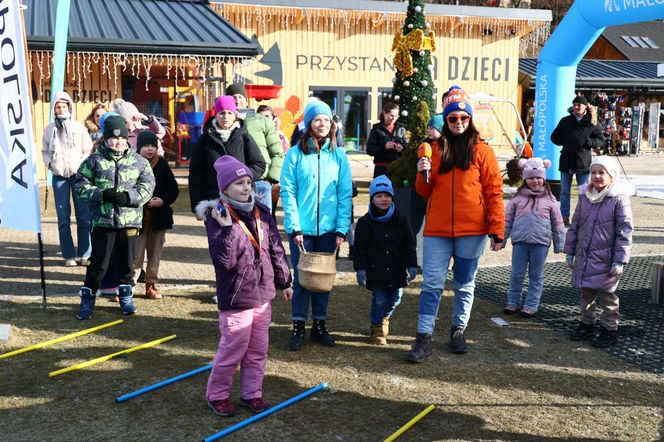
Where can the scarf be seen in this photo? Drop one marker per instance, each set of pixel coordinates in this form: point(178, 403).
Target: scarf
point(245, 208)
point(595, 196)
point(224, 134)
point(374, 213)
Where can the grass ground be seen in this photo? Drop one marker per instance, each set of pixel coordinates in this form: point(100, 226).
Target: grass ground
point(522, 382)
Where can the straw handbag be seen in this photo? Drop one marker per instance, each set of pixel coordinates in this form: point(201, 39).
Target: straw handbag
point(317, 270)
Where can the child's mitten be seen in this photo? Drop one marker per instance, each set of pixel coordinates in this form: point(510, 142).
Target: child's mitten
point(412, 273)
point(361, 278)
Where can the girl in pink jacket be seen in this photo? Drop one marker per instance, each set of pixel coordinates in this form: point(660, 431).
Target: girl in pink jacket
point(533, 220)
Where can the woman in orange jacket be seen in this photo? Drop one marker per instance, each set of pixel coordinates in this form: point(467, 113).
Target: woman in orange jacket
point(464, 209)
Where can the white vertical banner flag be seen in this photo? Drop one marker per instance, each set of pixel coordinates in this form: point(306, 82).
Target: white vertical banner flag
point(19, 187)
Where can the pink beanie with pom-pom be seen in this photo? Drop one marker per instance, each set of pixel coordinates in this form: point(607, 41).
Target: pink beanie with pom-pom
point(534, 167)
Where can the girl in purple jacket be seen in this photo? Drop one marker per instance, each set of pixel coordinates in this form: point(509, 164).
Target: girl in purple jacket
point(597, 246)
point(249, 261)
point(533, 220)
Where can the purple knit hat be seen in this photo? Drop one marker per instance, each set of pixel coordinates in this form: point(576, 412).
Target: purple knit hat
point(228, 170)
point(224, 102)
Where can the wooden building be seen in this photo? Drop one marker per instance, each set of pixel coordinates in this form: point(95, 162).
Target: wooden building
point(341, 52)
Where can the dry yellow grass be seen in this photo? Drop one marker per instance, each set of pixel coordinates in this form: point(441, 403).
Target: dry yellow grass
point(522, 382)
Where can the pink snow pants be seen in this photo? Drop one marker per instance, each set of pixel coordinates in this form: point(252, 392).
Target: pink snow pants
point(244, 342)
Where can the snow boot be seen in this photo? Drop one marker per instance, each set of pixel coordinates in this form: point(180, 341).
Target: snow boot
point(297, 338)
point(126, 303)
point(87, 304)
point(319, 333)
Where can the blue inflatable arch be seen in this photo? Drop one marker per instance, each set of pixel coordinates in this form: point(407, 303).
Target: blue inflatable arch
point(556, 66)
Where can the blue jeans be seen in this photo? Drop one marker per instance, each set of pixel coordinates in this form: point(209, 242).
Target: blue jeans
point(302, 296)
point(438, 251)
point(533, 256)
point(566, 189)
point(263, 192)
point(384, 303)
point(63, 189)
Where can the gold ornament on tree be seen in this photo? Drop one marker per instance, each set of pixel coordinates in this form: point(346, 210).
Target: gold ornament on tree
point(414, 41)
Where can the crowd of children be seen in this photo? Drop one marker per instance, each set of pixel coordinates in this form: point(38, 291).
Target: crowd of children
point(130, 188)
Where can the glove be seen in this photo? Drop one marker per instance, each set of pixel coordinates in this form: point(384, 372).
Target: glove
point(569, 259)
point(361, 278)
point(412, 273)
point(118, 198)
point(616, 269)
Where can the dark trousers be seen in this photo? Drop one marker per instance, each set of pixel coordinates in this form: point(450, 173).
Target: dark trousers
point(105, 242)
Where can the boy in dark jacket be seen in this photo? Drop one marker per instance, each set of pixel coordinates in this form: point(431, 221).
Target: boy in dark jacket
point(116, 182)
point(384, 256)
point(157, 213)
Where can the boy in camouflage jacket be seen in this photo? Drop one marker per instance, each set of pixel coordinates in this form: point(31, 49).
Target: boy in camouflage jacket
point(116, 182)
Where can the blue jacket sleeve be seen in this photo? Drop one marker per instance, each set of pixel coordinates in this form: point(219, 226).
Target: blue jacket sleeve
point(344, 194)
point(288, 192)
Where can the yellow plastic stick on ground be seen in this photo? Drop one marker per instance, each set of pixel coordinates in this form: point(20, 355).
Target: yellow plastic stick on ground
point(63, 338)
point(410, 423)
point(111, 356)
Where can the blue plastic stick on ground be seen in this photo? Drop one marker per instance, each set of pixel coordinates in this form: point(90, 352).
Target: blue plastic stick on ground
point(158, 385)
point(267, 412)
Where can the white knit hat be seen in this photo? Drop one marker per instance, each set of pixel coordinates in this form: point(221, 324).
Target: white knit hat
point(608, 163)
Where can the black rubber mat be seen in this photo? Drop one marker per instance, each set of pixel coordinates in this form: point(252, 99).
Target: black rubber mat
point(641, 340)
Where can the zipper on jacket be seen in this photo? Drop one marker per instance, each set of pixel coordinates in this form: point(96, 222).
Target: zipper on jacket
point(452, 193)
point(239, 284)
point(318, 199)
point(115, 187)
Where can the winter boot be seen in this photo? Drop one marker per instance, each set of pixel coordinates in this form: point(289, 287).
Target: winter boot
point(583, 331)
point(297, 338)
point(319, 333)
point(606, 338)
point(458, 340)
point(87, 304)
point(421, 349)
point(151, 291)
point(386, 326)
point(377, 336)
point(126, 303)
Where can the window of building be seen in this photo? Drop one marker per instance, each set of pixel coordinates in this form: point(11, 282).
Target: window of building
point(640, 42)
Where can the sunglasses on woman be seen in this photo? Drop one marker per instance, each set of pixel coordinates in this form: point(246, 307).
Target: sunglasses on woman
point(454, 118)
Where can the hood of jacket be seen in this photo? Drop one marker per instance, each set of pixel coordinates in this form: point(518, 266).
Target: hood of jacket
point(589, 117)
point(63, 96)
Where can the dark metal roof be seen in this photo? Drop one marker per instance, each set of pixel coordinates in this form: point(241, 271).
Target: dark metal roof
point(608, 74)
point(654, 30)
point(145, 26)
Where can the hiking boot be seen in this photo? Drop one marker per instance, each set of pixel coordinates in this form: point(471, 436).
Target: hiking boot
point(126, 303)
point(386, 326)
point(151, 291)
point(606, 338)
point(256, 405)
point(297, 338)
point(421, 348)
point(583, 331)
point(141, 276)
point(223, 407)
point(319, 333)
point(458, 340)
point(87, 304)
point(377, 336)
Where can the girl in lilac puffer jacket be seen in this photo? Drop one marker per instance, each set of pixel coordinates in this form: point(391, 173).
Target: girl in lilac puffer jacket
point(597, 246)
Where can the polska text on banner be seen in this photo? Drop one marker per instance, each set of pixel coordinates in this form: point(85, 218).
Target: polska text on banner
point(19, 192)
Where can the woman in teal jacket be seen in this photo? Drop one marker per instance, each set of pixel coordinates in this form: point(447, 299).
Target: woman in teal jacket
point(316, 192)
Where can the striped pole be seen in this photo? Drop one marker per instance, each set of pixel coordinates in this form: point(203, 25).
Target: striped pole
point(161, 384)
point(111, 356)
point(410, 423)
point(63, 338)
point(265, 413)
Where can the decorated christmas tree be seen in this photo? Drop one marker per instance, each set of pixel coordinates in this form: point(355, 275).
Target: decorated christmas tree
point(413, 87)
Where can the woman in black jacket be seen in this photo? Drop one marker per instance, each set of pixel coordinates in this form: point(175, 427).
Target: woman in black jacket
point(157, 212)
point(224, 134)
point(387, 139)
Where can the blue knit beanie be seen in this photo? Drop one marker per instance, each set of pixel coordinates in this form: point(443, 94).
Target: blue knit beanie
point(380, 184)
point(314, 109)
point(457, 100)
point(437, 122)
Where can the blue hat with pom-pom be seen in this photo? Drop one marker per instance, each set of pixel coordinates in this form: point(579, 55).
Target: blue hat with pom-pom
point(457, 100)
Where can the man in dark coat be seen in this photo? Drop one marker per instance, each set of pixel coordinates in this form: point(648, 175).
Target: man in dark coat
point(578, 133)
